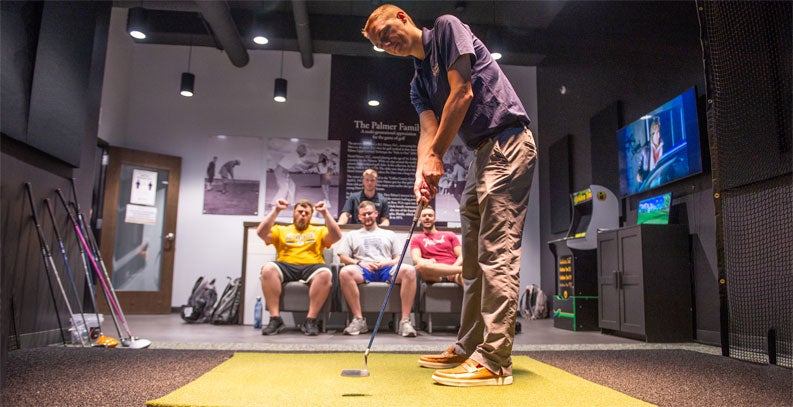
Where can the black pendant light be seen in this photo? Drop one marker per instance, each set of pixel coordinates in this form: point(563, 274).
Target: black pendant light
point(279, 95)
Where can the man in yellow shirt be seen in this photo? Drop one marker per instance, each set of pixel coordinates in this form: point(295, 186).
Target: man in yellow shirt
point(299, 257)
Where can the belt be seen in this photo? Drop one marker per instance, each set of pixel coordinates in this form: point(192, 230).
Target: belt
point(517, 127)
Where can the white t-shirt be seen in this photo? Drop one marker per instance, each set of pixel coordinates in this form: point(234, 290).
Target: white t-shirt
point(376, 245)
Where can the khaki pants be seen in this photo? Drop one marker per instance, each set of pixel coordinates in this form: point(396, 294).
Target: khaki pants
point(493, 211)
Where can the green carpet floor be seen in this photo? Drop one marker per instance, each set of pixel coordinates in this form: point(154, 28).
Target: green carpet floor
point(279, 379)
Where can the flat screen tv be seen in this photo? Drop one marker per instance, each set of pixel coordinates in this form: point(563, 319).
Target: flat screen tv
point(660, 147)
point(654, 210)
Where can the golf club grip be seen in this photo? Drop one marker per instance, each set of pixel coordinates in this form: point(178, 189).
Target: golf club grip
point(416, 215)
point(29, 190)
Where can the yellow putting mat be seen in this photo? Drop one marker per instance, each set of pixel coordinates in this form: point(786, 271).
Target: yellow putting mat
point(310, 379)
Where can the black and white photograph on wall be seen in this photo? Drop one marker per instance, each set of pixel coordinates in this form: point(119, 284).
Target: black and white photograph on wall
point(301, 169)
point(232, 175)
point(452, 183)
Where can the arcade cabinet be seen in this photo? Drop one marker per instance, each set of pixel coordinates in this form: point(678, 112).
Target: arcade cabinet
point(575, 306)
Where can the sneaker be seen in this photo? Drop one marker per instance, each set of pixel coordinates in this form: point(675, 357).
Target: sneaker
point(275, 326)
point(445, 360)
point(356, 326)
point(406, 328)
point(470, 373)
point(310, 327)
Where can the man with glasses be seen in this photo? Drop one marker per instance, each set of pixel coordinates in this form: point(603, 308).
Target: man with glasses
point(371, 254)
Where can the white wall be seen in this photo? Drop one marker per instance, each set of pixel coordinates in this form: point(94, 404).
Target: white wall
point(143, 110)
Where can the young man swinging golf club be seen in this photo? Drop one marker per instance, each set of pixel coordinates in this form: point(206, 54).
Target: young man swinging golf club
point(459, 89)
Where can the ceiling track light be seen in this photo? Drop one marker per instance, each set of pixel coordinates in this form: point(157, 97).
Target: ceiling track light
point(279, 94)
point(187, 85)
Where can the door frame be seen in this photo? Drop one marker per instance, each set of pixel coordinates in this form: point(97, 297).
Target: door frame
point(140, 302)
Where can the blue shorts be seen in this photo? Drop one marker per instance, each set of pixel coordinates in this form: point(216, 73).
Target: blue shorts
point(384, 274)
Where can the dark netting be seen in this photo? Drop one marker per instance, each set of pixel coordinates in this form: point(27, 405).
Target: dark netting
point(747, 52)
point(758, 247)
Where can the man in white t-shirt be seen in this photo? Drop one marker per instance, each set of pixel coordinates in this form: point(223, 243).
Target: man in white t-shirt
point(371, 254)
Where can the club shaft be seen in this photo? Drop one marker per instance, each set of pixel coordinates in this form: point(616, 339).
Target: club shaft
point(94, 254)
point(66, 263)
point(394, 278)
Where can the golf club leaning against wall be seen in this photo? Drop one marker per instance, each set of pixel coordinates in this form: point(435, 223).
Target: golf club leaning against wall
point(49, 265)
point(68, 268)
point(130, 341)
point(101, 338)
point(115, 309)
point(365, 371)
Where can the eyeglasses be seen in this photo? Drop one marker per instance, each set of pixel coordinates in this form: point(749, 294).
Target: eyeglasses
point(368, 213)
point(382, 37)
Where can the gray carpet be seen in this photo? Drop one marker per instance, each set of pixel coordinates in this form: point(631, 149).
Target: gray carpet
point(57, 376)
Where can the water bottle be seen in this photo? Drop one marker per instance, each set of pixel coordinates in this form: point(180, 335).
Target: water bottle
point(257, 313)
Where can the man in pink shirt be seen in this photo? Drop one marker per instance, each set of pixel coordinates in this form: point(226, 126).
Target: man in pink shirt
point(437, 255)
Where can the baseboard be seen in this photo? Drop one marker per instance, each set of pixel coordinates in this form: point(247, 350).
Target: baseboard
point(38, 339)
point(709, 337)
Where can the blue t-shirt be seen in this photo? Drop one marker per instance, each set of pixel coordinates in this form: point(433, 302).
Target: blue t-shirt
point(495, 106)
point(355, 199)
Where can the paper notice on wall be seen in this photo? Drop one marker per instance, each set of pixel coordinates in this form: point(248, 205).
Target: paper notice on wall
point(144, 187)
point(146, 215)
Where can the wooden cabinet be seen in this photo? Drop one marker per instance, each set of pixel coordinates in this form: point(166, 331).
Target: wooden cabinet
point(644, 283)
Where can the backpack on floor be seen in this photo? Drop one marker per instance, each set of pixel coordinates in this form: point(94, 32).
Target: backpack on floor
point(533, 303)
point(201, 302)
point(227, 309)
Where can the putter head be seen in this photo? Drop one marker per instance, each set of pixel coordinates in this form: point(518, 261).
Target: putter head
point(355, 373)
point(135, 343)
point(359, 373)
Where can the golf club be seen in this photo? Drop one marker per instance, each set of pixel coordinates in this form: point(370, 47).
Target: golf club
point(49, 266)
point(365, 371)
point(68, 267)
point(101, 339)
point(130, 341)
point(114, 306)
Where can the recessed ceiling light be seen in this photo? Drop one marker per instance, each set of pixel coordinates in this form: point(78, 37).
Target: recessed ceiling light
point(261, 40)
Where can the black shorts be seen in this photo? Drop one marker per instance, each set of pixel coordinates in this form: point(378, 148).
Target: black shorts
point(298, 272)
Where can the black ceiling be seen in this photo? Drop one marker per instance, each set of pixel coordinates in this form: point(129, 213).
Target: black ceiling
point(528, 31)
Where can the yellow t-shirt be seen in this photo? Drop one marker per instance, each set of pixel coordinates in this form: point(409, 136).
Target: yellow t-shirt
point(300, 248)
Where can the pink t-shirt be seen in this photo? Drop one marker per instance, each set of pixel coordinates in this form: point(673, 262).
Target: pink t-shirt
point(439, 246)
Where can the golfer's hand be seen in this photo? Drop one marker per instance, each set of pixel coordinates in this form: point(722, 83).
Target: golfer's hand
point(428, 174)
